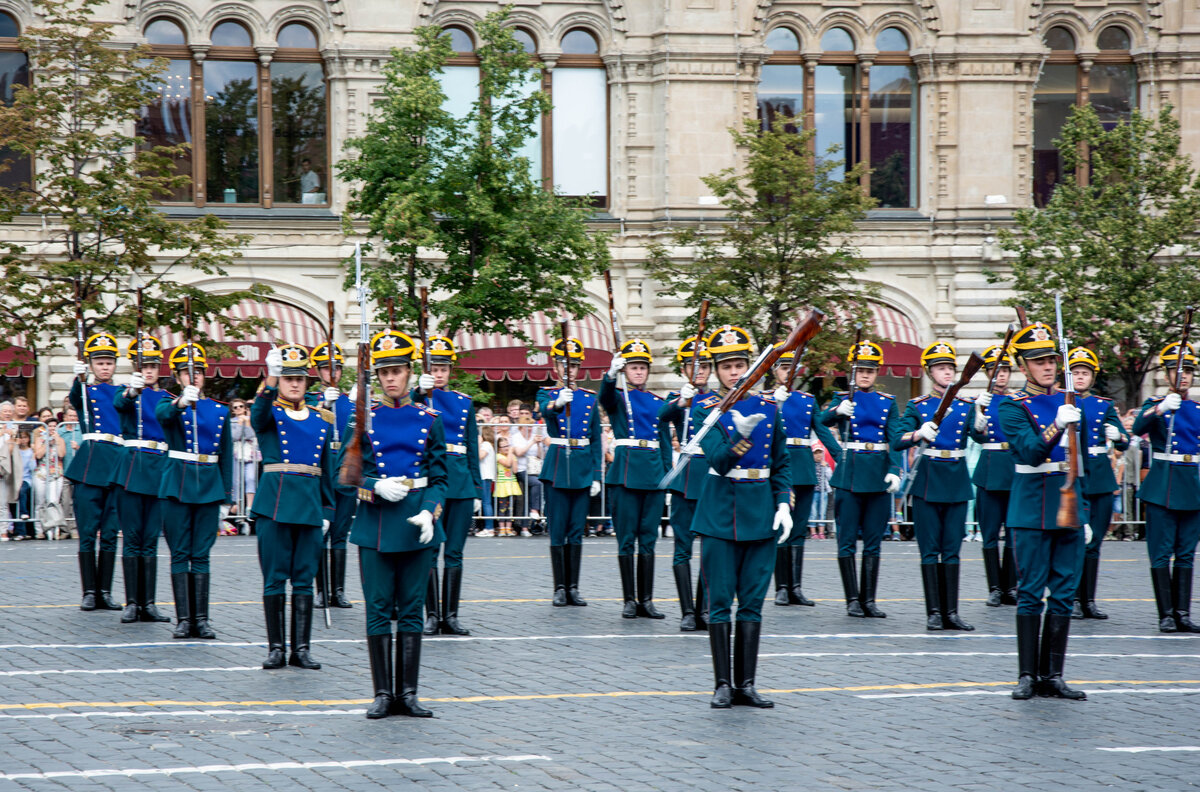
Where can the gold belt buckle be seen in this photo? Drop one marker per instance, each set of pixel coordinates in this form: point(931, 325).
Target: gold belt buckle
point(407, 482)
point(753, 473)
point(869, 446)
point(1004, 446)
point(1187, 457)
point(642, 443)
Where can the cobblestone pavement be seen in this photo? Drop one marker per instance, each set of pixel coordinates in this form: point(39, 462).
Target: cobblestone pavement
point(577, 698)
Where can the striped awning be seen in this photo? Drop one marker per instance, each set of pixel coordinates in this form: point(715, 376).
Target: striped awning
point(897, 334)
point(499, 356)
point(17, 360)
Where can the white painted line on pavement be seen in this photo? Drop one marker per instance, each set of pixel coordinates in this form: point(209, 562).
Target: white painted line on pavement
point(151, 714)
point(98, 671)
point(1144, 749)
point(242, 768)
point(971, 654)
point(150, 644)
point(1089, 691)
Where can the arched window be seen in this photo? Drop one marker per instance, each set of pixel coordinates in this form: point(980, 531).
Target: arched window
point(781, 89)
point(14, 70)
point(579, 128)
point(299, 118)
point(232, 128)
point(168, 119)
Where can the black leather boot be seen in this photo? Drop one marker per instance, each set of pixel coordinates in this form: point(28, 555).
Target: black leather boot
point(1181, 587)
point(558, 566)
point(574, 558)
point(683, 586)
point(1053, 652)
point(1161, 578)
point(129, 566)
point(1028, 627)
point(645, 584)
point(302, 615)
point(181, 586)
point(701, 604)
point(319, 600)
point(796, 596)
point(783, 568)
point(950, 618)
point(451, 589)
point(104, 580)
point(718, 642)
point(379, 649)
point(991, 568)
point(850, 586)
point(870, 581)
point(148, 569)
point(1080, 593)
point(432, 624)
point(629, 610)
point(1008, 575)
point(1091, 567)
point(87, 580)
point(933, 606)
point(337, 578)
point(408, 670)
point(201, 627)
point(273, 605)
point(745, 663)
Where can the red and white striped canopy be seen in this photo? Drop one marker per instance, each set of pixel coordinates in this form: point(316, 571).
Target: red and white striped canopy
point(17, 360)
point(499, 356)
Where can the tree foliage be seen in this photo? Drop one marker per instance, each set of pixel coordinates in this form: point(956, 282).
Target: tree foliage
point(1119, 246)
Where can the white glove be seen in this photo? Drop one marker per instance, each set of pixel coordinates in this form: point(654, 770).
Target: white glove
point(353, 395)
point(893, 482)
point(928, 432)
point(745, 423)
point(136, 382)
point(981, 420)
point(391, 489)
point(190, 395)
point(1087, 533)
point(325, 526)
point(80, 368)
point(564, 398)
point(1169, 404)
point(1112, 433)
point(424, 520)
point(478, 506)
point(331, 396)
point(275, 363)
point(595, 490)
point(1067, 414)
point(845, 409)
point(984, 400)
point(614, 368)
point(783, 519)
point(780, 395)
point(687, 393)
point(425, 383)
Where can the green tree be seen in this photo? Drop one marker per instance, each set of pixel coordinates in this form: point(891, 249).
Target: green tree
point(451, 202)
point(1119, 245)
point(96, 188)
point(784, 247)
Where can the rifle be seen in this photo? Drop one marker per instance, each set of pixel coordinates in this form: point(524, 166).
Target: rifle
point(80, 343)
point(1068, 503)
point(391, 309)
point(1021, 317)
point(1008, 336)
point(191, 368)
point(795, 369)
point(974, 363)
point(801, 334)
point(423, 327)
point(1187, 330)
point(696, 347)
point(325, 579)
point(139, 361)
point(351, 472)
point(616, 330)
point(562, 326)
point(853, 385)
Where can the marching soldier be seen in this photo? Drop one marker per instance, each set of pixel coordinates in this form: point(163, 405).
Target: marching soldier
point(139, 510)
point(641, 456)
point(1048, 557)
point(293, 494)
point(571, 468)
point(92, 468)
point(403, 458)
point(941, 487)
point(744, 506)
point(331, 568)
point(798, 414)
point(1170, 490)
point(1101, 427)
point(866, 476)
point(464, 484)
point(197, 480)
point(685, 488)
point(993, 479)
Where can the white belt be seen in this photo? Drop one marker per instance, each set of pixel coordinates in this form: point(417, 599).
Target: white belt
point(569, 441)
point(152, 445)
point(456, 448)
point(417, 483)
point(104, 438)
point(943, 453)
point(995, 446)
point(188, 456)
point(1097, 450)
point(1188, 458)
point(744, 473)
point(636, 443)
point(799, 441)
point(1045, 467)
point(857, 446)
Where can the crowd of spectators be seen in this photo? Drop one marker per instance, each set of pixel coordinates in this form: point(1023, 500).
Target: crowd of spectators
point(35, 449)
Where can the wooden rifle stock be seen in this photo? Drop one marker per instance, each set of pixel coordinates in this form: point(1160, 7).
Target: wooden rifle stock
point(351, 472)
point(423, 326)
point(1021, 317)
point(802, 334)
point(562, 326)
point(700, 342)
point(1008, 336)
point(970, 369)
point(1187, 331)
point(795, 369)
point(1068, 502)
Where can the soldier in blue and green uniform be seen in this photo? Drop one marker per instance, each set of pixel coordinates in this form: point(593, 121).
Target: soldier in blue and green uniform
point(294, 494)
point(1101, 428)
point(197, 480)
point(745, 509)
point(867, 474)
point(1048, 557)
point(941, 487)
point(571, 468)
point(139, 509)
point(91, 470)
point(403, 458)
point(685, 488)
point(992, 478)
point(1171, 491)
point(641, 457)
point(799, 415)
point(331, 570)
point(464, 484)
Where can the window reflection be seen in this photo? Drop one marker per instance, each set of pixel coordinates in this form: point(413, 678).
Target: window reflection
point(167, 121)
point(833, 106)
point(231, 131)
point(893, 135)
point(15, 170)
point(299, 118)
point(1052, 102)
point(781, 94)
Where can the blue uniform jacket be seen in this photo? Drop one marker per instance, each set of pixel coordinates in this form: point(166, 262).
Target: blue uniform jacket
point(1097, 413)
point(940, 478)
point(800, 416)
point(994, 470)
point(690, 481)
point(1028, 421)
point(343, 411)
point(571, 467)
point(636, 467)
point(1172, 484)
point(210, 481)
point(457, 411)
point(142, 468)
point(96, 461)
point(876, 417)
point(292, 497)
